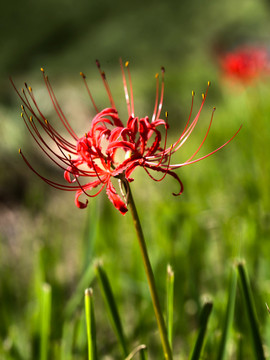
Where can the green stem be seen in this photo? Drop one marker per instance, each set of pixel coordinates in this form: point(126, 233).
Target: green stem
point(150, 277)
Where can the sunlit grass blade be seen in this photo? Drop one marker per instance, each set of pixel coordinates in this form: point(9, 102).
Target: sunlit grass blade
point(80, 335)
point(141, 349)
point(67, 340)
point(206, 311)
point(111, 303)
point(90, 324)
point(170, 297)
point(251, 312)
point(76, 298)
point(229, 316)
point(45, 320)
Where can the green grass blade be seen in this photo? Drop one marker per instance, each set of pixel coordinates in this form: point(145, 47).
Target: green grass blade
point(79, 334)
point(45, 319)
point(206, 311)
point(111, 304)
point(170, 297)
point(67, 341)
point(90, 324)
point(251, 313)
point(229, 316)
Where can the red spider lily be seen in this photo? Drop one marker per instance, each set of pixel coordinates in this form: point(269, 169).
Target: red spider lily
point(246, 63)
point(109, 149)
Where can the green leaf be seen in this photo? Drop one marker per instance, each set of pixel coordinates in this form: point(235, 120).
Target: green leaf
point(251, 312)
point(229, 316)
point(206, 311)
point(112, 307)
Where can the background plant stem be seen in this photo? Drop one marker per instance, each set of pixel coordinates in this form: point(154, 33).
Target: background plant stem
point(150, 278)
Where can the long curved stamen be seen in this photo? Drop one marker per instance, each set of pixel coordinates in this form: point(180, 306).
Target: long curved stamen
point(50, 131)
point(131, 89)
point(88, 91)
point(38, 138)
point(156, 101)
point(63, 159)
point(43, 148)
point(43, 124)
point(60, 141)
point(26, 101)
point(207, 132)
point(166, 170)
point(61, 186)
point(105, 83)
point(27, 104)
point(50, 182)
point(53, 134)
point(176, 166)
point(95, 170)
point(161, 93)
point(89, 195)
point(190, 114)
point(94, 167)
point(125, 87)
point(185, 135)
point(57, 107)
point(32, 97)
point(165, 142)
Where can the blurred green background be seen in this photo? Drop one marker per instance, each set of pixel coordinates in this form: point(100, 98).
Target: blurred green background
point(223, 213)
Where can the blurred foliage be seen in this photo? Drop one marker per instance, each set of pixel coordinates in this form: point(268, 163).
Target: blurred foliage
point(223, 213)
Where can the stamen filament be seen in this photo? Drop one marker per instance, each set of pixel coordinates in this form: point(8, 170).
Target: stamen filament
point(88, 91)
point(58, 108)
point(156, 101)
point(131, 89)
point(106, 85)
point(207, 132)
point(125, 87)
point(162, 92)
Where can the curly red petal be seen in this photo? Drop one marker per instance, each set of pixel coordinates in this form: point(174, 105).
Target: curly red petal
point(115, 198)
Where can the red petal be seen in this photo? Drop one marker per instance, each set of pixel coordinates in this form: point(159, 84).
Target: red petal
point(116, 199)
point(80, 204)
point(121, 144)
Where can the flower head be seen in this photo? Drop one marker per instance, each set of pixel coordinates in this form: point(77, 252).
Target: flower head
point(110, 148)
point(246, 63)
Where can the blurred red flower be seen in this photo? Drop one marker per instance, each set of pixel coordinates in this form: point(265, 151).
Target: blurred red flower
point(109, 149)
point(246, 63)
